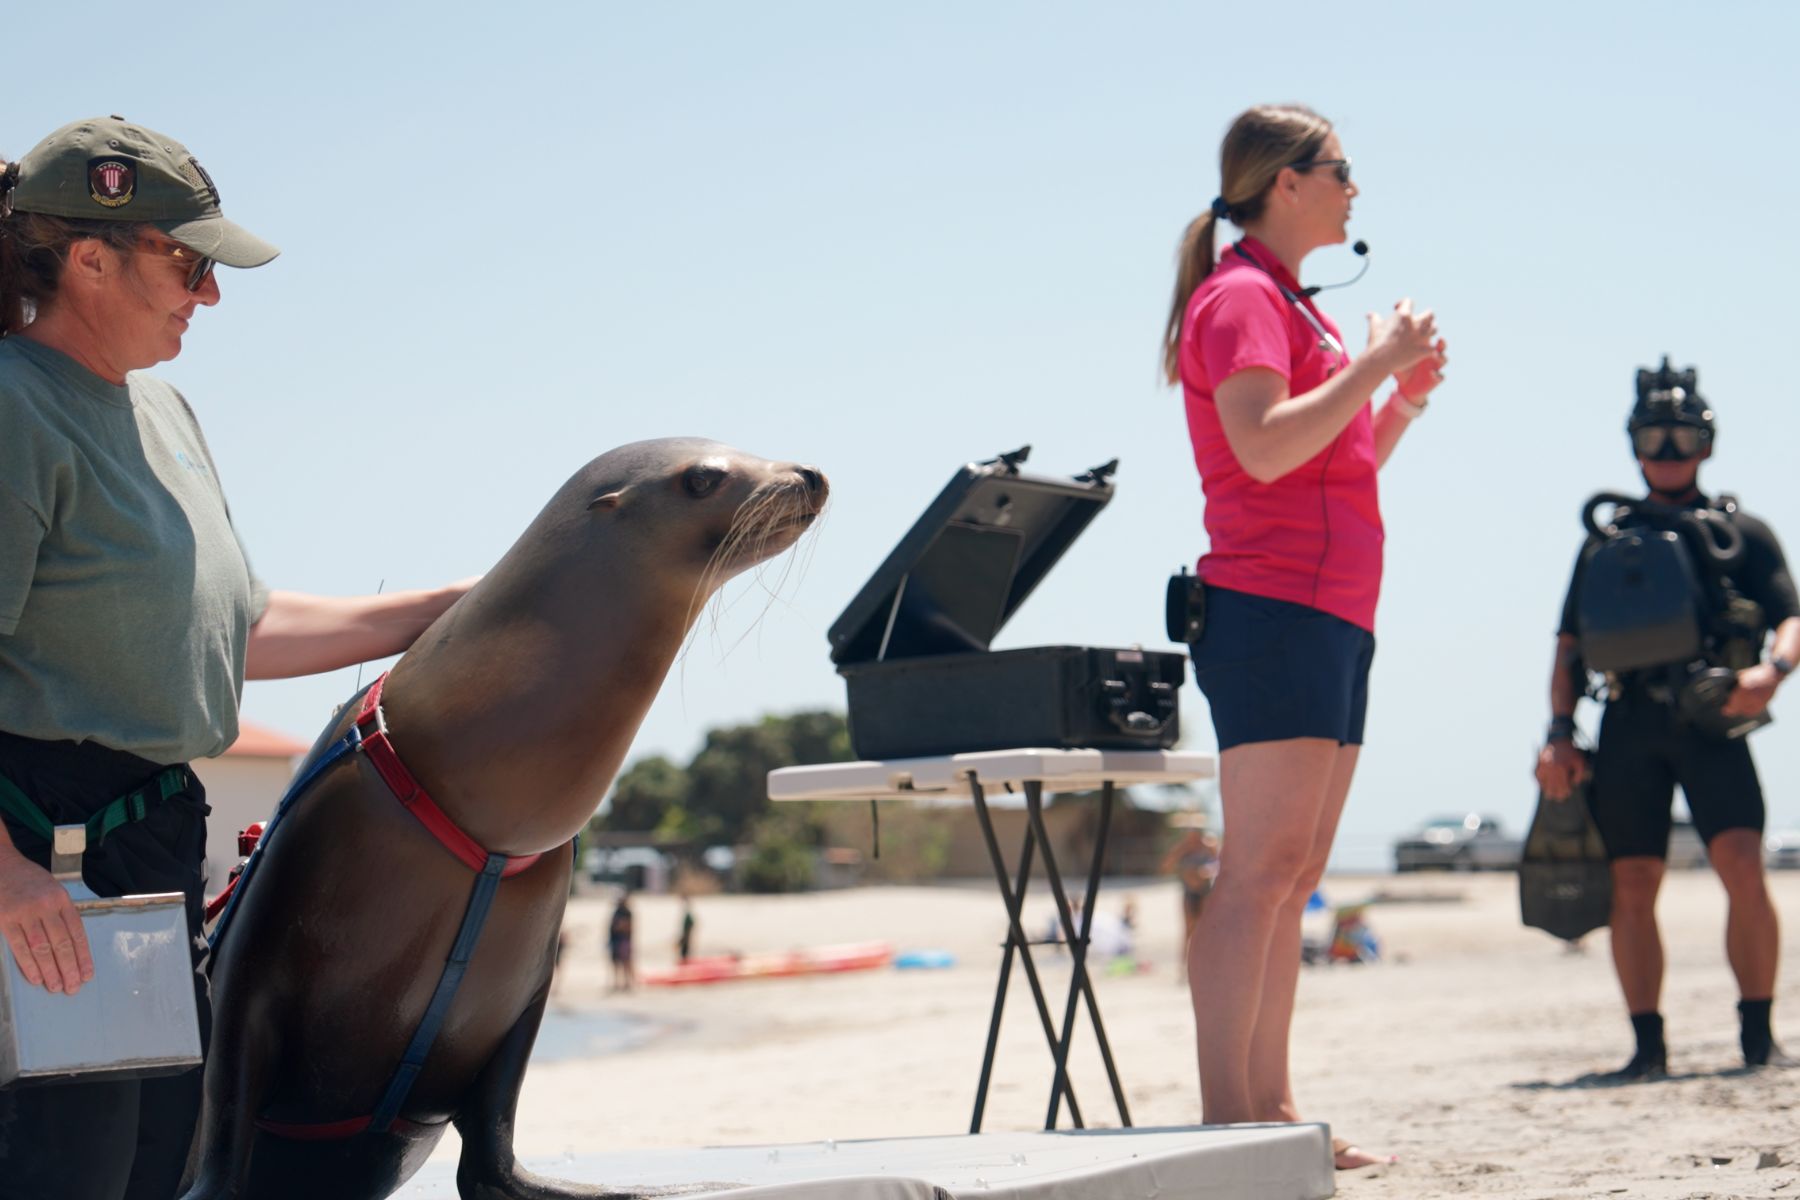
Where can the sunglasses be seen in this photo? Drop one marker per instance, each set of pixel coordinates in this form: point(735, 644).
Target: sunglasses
point(198, 265)
point(1669, 441)
point(1341, 166)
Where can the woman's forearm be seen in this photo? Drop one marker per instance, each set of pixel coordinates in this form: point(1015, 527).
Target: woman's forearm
point(302, 634)
point(1272, 434)
point(1390, 426)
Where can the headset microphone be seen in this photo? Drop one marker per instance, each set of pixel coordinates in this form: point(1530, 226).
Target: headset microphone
point(1361, 250)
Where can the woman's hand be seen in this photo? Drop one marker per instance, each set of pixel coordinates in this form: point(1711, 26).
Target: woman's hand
point(1560, 766)
point(1421, 379)
point(1402, 341)
point(42, 927)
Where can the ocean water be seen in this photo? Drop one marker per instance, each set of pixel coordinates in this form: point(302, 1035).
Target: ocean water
point(592, 1033)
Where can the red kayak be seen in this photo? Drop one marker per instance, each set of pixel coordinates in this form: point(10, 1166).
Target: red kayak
point(816, 960)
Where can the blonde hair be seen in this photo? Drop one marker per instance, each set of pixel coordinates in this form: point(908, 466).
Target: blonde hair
point(1258, 145)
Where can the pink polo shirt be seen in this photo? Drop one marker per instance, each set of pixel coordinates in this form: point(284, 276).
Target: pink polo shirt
point(1314, 536)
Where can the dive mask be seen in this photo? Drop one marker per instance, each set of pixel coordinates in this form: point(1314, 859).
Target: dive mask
point(1670, 443)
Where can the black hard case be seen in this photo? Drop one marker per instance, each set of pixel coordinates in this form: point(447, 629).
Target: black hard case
point(913, 645)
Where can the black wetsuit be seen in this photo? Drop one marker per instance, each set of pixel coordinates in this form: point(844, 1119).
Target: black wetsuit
point(1646, 748)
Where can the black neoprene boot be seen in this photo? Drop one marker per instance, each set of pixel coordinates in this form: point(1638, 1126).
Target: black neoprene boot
point(1652, 1058)
point(1755, 1036)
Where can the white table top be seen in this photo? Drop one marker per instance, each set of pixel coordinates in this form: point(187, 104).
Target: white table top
point(1200, 1161)
point(948, 775)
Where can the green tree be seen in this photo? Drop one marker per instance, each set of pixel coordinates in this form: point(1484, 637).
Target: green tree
point(645, 795)
point(728, 780)
point(722, 796)
point(784, 844)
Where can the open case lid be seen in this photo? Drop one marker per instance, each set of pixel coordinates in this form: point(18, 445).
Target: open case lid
point(968, 563)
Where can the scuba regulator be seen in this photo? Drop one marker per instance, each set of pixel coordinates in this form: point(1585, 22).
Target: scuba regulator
point(1658, 605)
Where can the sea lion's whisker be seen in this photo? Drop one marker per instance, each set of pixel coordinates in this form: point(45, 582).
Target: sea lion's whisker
point(764, 519)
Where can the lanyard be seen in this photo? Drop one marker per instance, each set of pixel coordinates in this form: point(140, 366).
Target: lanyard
point(1326, 340)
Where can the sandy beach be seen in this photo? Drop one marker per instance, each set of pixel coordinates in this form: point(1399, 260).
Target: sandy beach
point(1463, 1051)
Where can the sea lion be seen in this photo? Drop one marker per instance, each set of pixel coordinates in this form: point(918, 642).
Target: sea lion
point(513, 711)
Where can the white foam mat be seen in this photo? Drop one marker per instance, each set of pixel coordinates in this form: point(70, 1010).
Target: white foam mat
point(1278, 1162)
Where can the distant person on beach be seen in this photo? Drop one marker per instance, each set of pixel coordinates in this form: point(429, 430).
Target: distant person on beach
point(129, 613)
point(618, 946)
point(1195, 862)
point(1648, 743)
point(684, 942)
point(1288, 435)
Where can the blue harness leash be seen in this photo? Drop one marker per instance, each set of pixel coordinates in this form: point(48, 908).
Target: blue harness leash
point(481, 899)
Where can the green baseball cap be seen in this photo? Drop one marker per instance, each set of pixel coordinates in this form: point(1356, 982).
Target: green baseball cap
point(107, 169)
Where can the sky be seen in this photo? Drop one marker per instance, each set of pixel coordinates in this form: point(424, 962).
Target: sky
point(889, 240)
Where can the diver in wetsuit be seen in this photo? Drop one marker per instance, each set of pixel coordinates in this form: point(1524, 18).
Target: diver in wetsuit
point(1657, 728)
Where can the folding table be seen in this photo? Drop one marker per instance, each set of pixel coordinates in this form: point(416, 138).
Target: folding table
point(1034, 772)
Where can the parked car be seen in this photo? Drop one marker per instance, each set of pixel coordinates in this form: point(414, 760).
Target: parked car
point(1781, 850)
point(636, 868)
point(1686, 851)
point(1467, 843)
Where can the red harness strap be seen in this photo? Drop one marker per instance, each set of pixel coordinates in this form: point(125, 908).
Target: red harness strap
point(333, 1131)
point(413, 796)
point(372, 730)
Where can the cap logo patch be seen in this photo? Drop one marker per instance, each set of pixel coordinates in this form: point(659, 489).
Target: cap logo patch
point(195, 174)
point(112, 181)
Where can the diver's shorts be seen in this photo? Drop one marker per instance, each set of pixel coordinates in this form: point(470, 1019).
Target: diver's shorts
point(1645, 750)
point(1273, 670)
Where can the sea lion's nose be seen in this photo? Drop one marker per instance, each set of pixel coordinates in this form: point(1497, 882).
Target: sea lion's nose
point(817, 486)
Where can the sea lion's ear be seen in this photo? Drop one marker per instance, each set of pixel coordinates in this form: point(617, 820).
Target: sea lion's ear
point(609, 500)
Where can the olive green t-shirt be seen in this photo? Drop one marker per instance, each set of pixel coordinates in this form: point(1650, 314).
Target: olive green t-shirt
point(126, 599)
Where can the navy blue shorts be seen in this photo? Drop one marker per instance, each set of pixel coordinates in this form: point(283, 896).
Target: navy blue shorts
point(1273, 670)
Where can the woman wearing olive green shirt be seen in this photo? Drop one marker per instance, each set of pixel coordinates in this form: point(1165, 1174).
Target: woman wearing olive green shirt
point(129, 615)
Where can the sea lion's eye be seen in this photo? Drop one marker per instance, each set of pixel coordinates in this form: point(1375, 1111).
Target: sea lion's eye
point(701, 479)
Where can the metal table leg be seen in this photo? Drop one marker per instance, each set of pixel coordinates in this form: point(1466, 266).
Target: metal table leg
point(1015, 939)
point(1079, 985)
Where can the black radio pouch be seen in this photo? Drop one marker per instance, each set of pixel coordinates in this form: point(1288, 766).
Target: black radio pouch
point(1184, 608)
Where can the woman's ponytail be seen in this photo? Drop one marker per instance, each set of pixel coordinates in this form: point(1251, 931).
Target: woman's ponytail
point(1259, 143)
point(1193, 263)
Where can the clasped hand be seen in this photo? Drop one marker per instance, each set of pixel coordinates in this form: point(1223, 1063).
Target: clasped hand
point(1408, 347)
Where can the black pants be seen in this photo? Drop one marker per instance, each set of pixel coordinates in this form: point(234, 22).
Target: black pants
point(124, 1140)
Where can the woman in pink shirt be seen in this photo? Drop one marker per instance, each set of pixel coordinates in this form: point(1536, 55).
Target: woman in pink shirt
point(1287, 438)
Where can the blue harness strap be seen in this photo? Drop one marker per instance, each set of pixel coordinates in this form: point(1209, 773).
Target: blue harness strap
point(413, 1061)
point(338, 749)
point(481, 900)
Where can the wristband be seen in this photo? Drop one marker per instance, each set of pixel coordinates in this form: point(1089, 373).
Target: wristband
point(1407, 408)
point(1782, 666)
point(1562, 729)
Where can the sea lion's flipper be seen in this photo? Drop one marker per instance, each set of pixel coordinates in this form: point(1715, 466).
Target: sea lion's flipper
point(488, 1170)
point(239, 1062)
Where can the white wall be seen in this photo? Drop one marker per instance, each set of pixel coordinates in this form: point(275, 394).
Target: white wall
point(241, 789)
